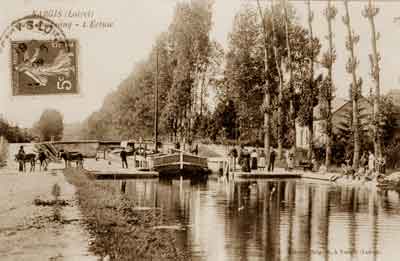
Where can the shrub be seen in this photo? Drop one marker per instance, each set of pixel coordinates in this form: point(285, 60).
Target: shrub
point(3, 150)
point(392, 152)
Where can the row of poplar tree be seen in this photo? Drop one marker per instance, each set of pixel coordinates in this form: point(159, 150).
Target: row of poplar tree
point(265, 80)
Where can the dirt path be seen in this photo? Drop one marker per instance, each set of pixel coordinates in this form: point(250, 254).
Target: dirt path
point(33, 232)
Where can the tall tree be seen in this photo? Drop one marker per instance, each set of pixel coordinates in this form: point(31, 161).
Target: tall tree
point(266, 106)
point(244, 75)
point(289, 66)
point(278, 63)
point(355, 86)
point(369, 12)
point(51, 125)
point(251, 72)
point(189, 34)
point(310, 94)
point(327, 88)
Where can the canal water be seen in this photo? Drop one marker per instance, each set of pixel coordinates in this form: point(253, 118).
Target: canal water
point(275, 220)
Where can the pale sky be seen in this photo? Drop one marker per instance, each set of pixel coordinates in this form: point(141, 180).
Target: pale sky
point(107, 56)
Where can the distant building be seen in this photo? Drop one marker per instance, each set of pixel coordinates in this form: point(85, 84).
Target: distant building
point(340, 114)
point(302, 133)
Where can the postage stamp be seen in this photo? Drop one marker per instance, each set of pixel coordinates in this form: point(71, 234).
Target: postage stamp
point(43, 60)
point(43, 67)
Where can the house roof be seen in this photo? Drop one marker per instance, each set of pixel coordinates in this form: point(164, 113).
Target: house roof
point(337, 103)
point(394, 94)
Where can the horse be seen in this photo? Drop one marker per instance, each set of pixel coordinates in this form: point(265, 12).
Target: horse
point(24, 158)
point(68, 157)
point(43, 160)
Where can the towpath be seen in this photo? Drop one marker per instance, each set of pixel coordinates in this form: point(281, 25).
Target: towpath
point(31, 231)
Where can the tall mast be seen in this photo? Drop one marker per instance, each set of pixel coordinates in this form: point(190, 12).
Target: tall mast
point(156, 104)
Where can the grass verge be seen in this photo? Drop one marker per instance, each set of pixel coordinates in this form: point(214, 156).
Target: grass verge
point(118, 231)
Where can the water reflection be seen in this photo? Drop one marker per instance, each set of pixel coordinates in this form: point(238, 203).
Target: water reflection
point(271, 220)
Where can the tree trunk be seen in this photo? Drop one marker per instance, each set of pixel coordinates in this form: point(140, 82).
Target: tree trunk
point(267, 97)
point(267, 120)
point(329, 134)
point(310, 140)
point(370, 12)
point(278, 63)
point(311, 83)
point(292, 120)
point(356, 128)
point(355, 86)
point(280, 132)
point(330, 14)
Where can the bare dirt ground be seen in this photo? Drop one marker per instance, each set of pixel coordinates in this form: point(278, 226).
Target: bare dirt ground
point(29, 231)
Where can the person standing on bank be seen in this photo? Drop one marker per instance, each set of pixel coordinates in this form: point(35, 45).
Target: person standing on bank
point(123, 158)
point(254, 157)
point(371, 162)
point(21, 158)
point(271, 160)
point(261, 164)
point(233, 154)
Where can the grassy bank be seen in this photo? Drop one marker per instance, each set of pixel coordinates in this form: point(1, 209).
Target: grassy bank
point(120, 232)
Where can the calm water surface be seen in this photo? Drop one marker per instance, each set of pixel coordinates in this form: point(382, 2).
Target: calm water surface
point(276, 220)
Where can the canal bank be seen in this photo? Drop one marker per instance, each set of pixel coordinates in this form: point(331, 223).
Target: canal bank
point(119, 229)
point(33, 225)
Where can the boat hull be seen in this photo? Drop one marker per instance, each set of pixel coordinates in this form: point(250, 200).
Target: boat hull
point(180, 164)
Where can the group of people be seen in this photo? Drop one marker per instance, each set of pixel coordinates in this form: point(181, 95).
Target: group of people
point(254, 160)
point(193, 148)
point(23, 157)
point(368, 167)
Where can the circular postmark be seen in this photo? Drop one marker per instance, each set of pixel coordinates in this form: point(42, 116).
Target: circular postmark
point(43, 59)
point(33, 23)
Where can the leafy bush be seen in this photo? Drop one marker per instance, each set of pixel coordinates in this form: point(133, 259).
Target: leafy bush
point(3, 150)
point(392, 152)
point(252, 142)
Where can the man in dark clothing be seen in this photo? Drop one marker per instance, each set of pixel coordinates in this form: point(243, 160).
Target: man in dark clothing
point(43, 160)
point(271, 160)
point(21, 158)
point(123, 158)
point(244, 159)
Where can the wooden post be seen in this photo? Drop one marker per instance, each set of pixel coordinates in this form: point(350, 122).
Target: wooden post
point(123, 186)
point(181, 160)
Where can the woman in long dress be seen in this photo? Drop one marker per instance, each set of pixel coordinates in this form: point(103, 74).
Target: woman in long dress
point(262, 163)
point(371, 161)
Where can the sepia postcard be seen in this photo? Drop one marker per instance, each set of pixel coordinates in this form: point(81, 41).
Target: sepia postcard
point(199, 130)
